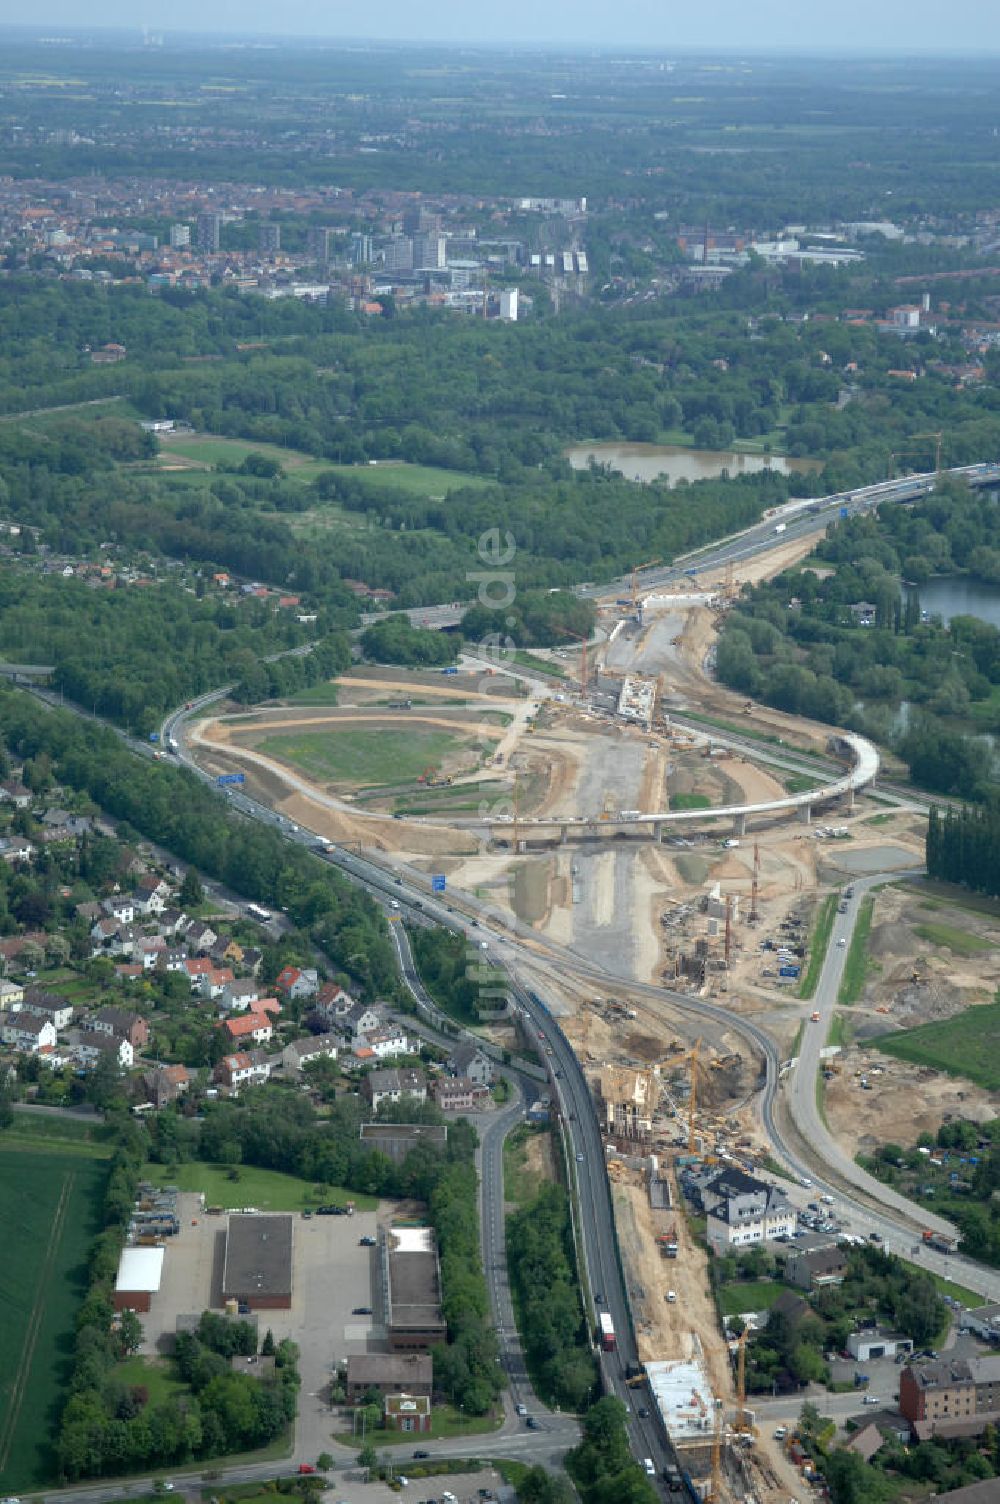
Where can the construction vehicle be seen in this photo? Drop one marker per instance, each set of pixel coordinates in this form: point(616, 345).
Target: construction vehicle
point(938, 1241)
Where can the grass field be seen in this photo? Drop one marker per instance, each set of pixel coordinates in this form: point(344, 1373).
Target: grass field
point(419, 480)
point(50, 1217)
point(959, 942)
point(534, 664)
point(153, 1374)
point(690, 801)
point(445, 1423)
point(819, 940)
point(521, 1181)
point(42, 1135)
point(856, 967)
point(372, 756)
point(966, 1045)
point(749, 1295)
point(315, 694)
point(269, 1190)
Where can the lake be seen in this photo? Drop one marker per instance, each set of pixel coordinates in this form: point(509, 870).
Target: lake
point(673, 462)
point(956, 595)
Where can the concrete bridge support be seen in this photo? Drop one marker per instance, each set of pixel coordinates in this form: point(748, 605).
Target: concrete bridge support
point(805, 814)
point(739, 825)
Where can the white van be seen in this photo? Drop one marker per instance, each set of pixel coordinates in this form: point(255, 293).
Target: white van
point(650, 1469)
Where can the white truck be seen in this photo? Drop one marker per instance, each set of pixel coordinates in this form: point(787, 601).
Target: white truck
point(780, 527)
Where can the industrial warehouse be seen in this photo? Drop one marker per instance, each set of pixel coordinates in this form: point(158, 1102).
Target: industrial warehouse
point(257, 1270)
point(411, 1284)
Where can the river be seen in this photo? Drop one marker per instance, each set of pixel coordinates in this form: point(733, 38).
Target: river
point(673, 462)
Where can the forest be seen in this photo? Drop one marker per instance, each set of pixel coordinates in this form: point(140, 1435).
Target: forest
point(849, 645)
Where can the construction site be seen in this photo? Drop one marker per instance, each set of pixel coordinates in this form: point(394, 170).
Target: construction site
point(626, 726)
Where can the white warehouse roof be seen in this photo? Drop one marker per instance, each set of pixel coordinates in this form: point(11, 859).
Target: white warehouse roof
point(140, 1270)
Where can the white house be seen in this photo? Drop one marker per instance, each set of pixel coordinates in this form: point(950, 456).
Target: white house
point(245, 1068)
point(363, 1019)
point(91, 1046)
point(151, 896)
point(742, 1210)
point(49, 1005)
point(332, 1004)
point(239, 995)
point(386, 1042)
point(393, 1086)
point(29, 1032)
point(120, 906)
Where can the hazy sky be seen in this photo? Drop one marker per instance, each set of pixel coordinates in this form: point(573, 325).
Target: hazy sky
point(847, 25)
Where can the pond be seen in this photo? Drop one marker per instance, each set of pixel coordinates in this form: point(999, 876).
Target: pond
point(957, 595)
point(674, 462)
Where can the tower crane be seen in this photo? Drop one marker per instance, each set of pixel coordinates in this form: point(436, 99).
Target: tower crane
point(649, 564)
point(742, 1423)
point(936, 434)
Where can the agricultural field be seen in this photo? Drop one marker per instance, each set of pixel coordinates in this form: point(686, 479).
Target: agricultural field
point(966, 1045)
point(51, 1216)
point(268, 1190)
point(369, 756)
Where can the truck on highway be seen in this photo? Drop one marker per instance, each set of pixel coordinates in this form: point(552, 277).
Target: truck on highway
point(607, 1327)
point(939, 1241)
point(780, 527)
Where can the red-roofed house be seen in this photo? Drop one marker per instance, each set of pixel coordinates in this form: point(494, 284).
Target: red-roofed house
point(197, 967)
point(248, 1028)
point(297, 982)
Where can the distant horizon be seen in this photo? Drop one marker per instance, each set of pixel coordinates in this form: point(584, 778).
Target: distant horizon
point(892, 29)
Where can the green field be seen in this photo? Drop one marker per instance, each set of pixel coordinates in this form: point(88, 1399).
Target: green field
point(419, 480)
point(959, 942)
point(819, 940)
point(690, 801)
point(33, 1134)
point(371, 756)
point(50, 1217)
point(967, 1045)
point(856, 967)
point(749, 1295)
point(269, 1190)
point(315, 694)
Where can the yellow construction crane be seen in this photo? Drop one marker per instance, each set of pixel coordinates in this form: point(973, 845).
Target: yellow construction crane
point(649, 564)
point(911, 448)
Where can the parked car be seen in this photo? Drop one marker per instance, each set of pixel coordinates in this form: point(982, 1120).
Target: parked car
point(362, 1310)
point(367, 1241)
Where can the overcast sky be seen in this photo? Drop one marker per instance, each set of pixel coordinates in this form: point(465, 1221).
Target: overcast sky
point(845, 26)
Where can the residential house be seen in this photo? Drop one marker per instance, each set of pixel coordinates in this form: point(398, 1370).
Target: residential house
point(172, 958)
point(151, 896)
point(26, 1031)
point(90, 912)
point(59, 1009)
point(313, 1047)
point(11, 993)
point(471, 1061)
point(149, 950)
point(332, 1004)
point(252, 959)
point(363, 1019)
point(13, 791)
point(200, 936)
point(950, 1396)
point(388, 1042)
point(239, 995)
point(459, 1094)
point(165, 1085)
point(811, 1269)
point(195, 968)
point(297, 983)
point(15, 849)
point(393, 1085)
point(90, 1045)
point(120, 1024)
point(169, 922)
point(248, 1028)
point(120, 906)
point(213, 983)
point(245, 1068)
point(742, 1210)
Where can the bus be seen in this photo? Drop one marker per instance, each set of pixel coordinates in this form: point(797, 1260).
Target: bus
point(254, 911)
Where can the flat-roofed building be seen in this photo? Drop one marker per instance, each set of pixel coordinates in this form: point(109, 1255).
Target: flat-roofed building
point(411, 1281)
point(389, 1373)
point(139, 1273)
point(258, 1263)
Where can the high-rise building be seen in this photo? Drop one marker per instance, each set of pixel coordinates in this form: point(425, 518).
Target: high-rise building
point(361, 249)
point(429, 251)
point(420, 222)
point(209, 231)
point(269, 238)
point(318, 244)
point(397, 254)
point(180, 237)
point(508, 304)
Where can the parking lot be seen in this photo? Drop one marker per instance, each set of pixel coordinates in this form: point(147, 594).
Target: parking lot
point(332, 1274)
point(468, 1488)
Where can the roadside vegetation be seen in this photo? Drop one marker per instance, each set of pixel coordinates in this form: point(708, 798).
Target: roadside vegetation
point(858, 963)
point(819, 942)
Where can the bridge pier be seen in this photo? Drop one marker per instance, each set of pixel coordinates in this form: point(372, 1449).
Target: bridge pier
point(562, 835)
point(739, 825)
point(805, 814)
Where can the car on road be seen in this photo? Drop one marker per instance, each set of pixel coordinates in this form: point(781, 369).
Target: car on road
point(779, 1433)
point(306, 1467)
point(579, 1159)
point(367, 1241)
point(531, 1423)
point(804, 1180)
point(815, 1016)
point(671, 1297)
point(521, 1409)
point(643, 1412)
point(420, 1454)
point(841, 941)
point(871, 1399)
point(362, 1311)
